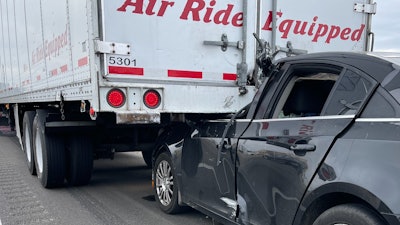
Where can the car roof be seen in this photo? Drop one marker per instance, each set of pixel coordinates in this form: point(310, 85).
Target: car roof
point(377, 65)
point(393, 57)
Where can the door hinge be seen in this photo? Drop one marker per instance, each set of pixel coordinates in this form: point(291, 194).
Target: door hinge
point(289, 50)
point(112, 48)
point(224, 43)
point(365, 8)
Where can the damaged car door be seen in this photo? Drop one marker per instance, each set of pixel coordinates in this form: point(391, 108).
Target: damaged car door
point(208, 167)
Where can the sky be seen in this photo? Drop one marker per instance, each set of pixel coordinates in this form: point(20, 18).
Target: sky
point(386, 26)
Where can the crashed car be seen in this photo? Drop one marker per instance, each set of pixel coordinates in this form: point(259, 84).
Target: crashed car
point(319, 144)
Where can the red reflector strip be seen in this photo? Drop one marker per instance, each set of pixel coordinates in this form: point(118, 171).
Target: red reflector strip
point(25, 82)
point(185, 74)
point(83, 61)
point(229, 76)
point(126, 70)
point(54, 72)
point(64, 68)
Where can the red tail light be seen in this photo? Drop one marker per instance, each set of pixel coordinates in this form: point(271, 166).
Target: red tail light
point(116, 98)
point(152, 99)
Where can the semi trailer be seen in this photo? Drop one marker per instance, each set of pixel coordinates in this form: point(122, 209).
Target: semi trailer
point(84, 79)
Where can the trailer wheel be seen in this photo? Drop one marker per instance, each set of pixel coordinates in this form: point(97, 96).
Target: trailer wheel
point(348, 214)
point(80, 160)
point(165, 186)
point(27, 140)
point(49, 151)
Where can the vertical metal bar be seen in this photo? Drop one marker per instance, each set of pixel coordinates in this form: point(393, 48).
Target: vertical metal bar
point(43, 41)
point(369, 43)
point(18, 82)
point(242, 67)
point(9, 44)
point(28, 46)
point(3, 56)
point(273, 35)
point(244, 31)
point(258, 24)
point(69, 35)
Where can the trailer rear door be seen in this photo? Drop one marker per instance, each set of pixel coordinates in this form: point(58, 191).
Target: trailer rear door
point(178, 40)
point(318, 26)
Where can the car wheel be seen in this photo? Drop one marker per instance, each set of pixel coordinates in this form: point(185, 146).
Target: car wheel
point(80, 160)
point(348, 214)
point(27, 140)
point(165, 186)
point(49, 154)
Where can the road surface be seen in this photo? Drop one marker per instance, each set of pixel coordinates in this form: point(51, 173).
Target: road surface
point(119, 193)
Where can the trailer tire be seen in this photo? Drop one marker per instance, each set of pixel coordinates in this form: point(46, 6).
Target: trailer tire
point(49, 151)
point(80, 160)
point(27, 140)
point(165, 184)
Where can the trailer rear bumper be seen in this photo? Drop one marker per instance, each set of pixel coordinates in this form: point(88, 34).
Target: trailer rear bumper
point(138, 117)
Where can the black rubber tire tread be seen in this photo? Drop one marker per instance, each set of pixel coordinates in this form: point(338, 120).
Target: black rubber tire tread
point(351, 214)
point(53, 150)
point(147, 157)
point(80, 160)
point(173, 207)
point(27, 129)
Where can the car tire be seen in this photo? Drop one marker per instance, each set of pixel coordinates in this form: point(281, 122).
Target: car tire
point(349, 214)
point(27, 140)
point(49, 151)
point(165, 184)
point(80, 160)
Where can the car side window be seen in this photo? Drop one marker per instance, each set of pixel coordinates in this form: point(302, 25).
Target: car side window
point(306, 91)
point(351, 90)
point(381, 105)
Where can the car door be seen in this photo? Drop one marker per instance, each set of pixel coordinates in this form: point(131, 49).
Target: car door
point(279, 153)
point(208, 168)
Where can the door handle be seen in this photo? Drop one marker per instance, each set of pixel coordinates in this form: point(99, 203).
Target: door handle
point(298, 149)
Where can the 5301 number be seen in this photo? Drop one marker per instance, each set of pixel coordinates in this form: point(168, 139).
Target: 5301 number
point(121, 61)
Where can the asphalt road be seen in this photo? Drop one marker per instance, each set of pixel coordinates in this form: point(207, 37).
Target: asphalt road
point(119, 193)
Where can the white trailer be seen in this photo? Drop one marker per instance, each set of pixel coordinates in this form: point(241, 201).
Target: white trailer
point(84, 79)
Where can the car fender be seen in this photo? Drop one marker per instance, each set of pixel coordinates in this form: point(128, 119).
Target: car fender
point(171, 141)
point(351, 172)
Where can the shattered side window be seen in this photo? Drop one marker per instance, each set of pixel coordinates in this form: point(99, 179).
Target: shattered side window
point(307, 97)
point(306, 92)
